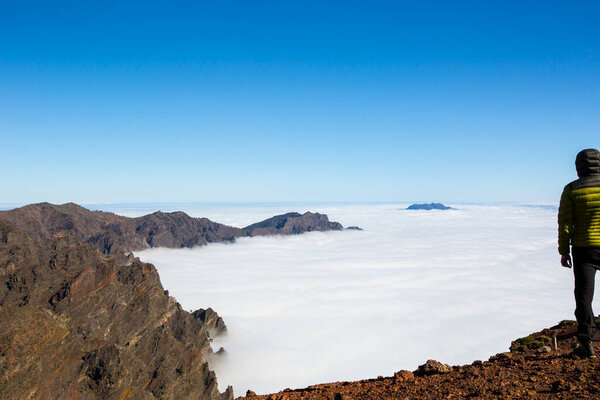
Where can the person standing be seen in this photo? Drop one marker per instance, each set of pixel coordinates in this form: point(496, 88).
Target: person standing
point(579, 227)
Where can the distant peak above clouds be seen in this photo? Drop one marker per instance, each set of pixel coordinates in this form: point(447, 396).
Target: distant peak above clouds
point(293, 223)
point(429, 206)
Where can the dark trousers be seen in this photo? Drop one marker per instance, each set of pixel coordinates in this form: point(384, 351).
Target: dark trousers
point(586, 260)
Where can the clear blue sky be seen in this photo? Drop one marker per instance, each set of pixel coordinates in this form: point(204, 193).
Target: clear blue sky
point(116, 101)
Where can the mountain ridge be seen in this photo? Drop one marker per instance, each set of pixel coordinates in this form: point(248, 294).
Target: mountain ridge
point(114, 233)
point(83, 318)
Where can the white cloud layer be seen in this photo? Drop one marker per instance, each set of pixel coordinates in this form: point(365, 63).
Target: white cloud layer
point(451, 285)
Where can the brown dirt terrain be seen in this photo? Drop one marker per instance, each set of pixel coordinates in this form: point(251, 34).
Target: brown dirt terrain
point(528, 371)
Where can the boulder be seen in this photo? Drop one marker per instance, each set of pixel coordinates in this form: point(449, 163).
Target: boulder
point(432, 367)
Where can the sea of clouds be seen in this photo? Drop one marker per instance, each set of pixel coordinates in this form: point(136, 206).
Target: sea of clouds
point(453, 285)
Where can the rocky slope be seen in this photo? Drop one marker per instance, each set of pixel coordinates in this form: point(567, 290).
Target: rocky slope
point(82, 320)
point(116, 234)
point(78, 324)
point(533, 369)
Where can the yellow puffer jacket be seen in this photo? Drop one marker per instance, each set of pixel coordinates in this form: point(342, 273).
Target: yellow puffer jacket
point(579, 210)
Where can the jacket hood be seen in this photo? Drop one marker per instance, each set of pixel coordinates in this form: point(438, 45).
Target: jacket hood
point(588, 162)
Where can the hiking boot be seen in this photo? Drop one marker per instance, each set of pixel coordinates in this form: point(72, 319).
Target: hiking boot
point(591, 349)
point(584, 350)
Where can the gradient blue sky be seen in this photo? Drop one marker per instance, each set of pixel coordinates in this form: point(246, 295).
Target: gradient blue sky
point(295, 101)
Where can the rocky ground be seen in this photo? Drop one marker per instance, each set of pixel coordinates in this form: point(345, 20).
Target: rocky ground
point(532, 369)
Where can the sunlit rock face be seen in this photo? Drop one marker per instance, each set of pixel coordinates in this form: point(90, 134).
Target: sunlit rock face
point(115, 234)
point(80, 323)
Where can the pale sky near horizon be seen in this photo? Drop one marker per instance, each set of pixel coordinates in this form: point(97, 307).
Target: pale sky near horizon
point(232, 101)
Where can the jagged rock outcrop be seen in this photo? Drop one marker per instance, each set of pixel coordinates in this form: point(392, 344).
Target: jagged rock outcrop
point(115, 234)
point(211, 320)
point(77, 324)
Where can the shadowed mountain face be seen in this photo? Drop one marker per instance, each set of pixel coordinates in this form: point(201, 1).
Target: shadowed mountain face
point(114, 234)
point(81, 319)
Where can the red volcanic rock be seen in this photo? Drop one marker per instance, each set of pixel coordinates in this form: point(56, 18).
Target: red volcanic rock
point(403, 376)
point(522, 374)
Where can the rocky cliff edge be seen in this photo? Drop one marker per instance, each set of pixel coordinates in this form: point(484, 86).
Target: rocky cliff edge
point(83, 319)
